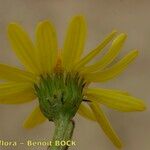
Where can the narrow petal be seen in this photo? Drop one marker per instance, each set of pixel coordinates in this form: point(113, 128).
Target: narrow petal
point(115, 100)
point(109, 56)
point(12, 88)
point(19, 98)
point(16, 93)
point(35, 118)
point(23, 47)
point(74, 42)
point(46, 43)
point(119, 91)
point(86, 112)
point(113, 71)
point(105, 125)
point(15, 74)
point(95, 52)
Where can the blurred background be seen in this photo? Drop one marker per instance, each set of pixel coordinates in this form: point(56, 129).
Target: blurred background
point(129, 16)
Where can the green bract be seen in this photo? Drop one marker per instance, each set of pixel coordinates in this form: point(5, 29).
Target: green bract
point(60, 94)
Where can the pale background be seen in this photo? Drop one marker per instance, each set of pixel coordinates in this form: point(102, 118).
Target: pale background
point(129, 16)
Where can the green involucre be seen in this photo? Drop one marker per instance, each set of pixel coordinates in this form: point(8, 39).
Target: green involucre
point(60, 94)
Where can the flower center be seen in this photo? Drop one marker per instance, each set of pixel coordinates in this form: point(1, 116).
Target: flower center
point(60, 94)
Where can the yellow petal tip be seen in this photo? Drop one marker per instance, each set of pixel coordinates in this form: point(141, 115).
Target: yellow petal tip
point(136, 52)
point(27, 125)
point(119, 146)
point(45, 22)
point(13, 25)
point(79, 18)
point(142, 107)
point(123, 36)
point(119, 39)
point(114, 31)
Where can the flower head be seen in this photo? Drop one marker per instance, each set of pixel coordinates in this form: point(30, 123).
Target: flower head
point(60, 79)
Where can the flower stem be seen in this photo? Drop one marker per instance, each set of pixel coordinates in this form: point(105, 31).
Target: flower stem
point(63, 132)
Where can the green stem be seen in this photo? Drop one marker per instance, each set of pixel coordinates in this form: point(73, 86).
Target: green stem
point(63, 132)
point(69, 132)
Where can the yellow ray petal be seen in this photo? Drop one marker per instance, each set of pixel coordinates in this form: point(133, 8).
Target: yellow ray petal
point(95, 52)
point(119, 91)
point(35, 118)
point(115, 100)
point(105, 125)
point(23, 47)
point(16, 93)
point(113, 71)
point(74, 42)
point(18, 98)
point(46, 42)
point(12, 88)
point(86, 112)
point(109, 56)
point(15, 74)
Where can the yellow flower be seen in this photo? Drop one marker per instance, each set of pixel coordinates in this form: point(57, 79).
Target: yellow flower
point(43, 59)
